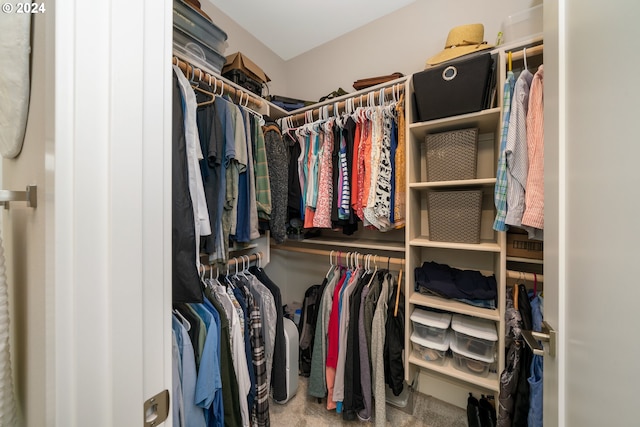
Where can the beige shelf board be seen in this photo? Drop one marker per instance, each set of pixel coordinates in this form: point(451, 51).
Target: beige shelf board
point(525, 260)
point(490, 382)
point(485, 120)
point(453, 306)
point(356, 243)
point(483, 246)
point(459, 183)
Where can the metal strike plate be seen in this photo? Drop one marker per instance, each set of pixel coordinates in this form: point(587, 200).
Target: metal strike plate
point(156, 409)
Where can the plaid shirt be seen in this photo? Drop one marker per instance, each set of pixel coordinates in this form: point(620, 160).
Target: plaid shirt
point(261, 170)
point(500, 191)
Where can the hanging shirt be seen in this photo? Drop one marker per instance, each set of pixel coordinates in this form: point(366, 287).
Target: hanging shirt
point(261, 172)
point(193, 415)
point(394, 148)
point(500, 189)
point(345, 187)
point(363, 155)
point(322, 218)
point(377, 136)
point(534, 197)
point(302, 168)
point(516, 150)
point(377, 359)
point(277, 159)
point(194, 155)
point(338, 387)
point(209, 381)
point(317, 376)
point(239, 359)
point(231, 405)
point(177, 403)
point(241, 158)
point(268, 318)
point(382, 205)
point(221, 236)
point(400, 167)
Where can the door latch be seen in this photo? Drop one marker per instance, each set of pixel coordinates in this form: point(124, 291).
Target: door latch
point(156, 409)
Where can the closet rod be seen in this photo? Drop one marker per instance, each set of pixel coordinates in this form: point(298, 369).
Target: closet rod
point(381, 260)
point(529, 277)
point(233, 261)
point(230, 88)
point(358, 97)
point(531, 51)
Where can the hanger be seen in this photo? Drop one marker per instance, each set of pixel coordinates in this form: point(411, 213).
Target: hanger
point(375, 270)
point(509, 61)
point(395, 310)
point(524, 58)
point(182, 319)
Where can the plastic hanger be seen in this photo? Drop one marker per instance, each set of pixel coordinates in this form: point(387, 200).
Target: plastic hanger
point(524, 58)
point(509, 61)
point(375, 270)
point(182, 319)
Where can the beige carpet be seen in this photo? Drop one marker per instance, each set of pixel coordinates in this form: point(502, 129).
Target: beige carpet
point(305, 411)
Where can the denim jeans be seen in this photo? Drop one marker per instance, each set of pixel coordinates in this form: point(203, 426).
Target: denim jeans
point(535, 393)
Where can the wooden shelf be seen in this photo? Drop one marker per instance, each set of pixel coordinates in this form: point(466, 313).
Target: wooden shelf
point(483, 246)
point(453, 306)
point(489, 382)
point(485, 182)
point(486, 121)
point(377, 245)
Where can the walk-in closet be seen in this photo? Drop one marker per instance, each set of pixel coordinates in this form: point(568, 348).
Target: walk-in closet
point(408, 213)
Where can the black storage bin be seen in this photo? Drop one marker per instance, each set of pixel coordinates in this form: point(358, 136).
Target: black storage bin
point(240, 78)
point(455, 87)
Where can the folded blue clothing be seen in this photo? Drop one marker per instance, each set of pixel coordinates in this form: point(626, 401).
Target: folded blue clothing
point(448, 282)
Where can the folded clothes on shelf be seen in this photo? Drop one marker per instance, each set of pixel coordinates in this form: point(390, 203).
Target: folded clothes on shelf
point(467, 286)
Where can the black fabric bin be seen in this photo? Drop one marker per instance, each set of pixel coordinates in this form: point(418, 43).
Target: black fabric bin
point(455, 87)
point(241, 79)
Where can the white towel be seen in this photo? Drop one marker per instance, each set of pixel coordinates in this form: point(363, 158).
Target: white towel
point(7, 401)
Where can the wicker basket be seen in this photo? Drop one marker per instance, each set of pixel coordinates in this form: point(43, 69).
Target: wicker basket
point(452, 155)
point(454, 216)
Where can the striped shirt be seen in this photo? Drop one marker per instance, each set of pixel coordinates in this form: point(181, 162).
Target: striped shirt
point(516, 150)
point(534, 197)
point(500, 190)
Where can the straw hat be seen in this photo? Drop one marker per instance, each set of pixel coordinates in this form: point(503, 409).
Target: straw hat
point(461, 40)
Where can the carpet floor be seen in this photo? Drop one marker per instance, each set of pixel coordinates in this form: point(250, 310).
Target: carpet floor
point(305, 411)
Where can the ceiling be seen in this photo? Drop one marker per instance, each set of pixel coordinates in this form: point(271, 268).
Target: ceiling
point(290, 28)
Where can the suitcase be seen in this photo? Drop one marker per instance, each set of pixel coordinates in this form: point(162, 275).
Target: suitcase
point(291, 343)
point(455, 87)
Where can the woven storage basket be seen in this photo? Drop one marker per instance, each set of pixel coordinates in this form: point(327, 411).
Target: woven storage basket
point(454, 216)
point(452, 155)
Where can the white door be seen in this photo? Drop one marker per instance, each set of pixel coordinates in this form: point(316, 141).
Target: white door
point(111, 229)
point(592, 205)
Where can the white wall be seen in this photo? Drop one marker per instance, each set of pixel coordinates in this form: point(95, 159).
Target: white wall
point(24, 236)
point(401, 41)
point(239, 40)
